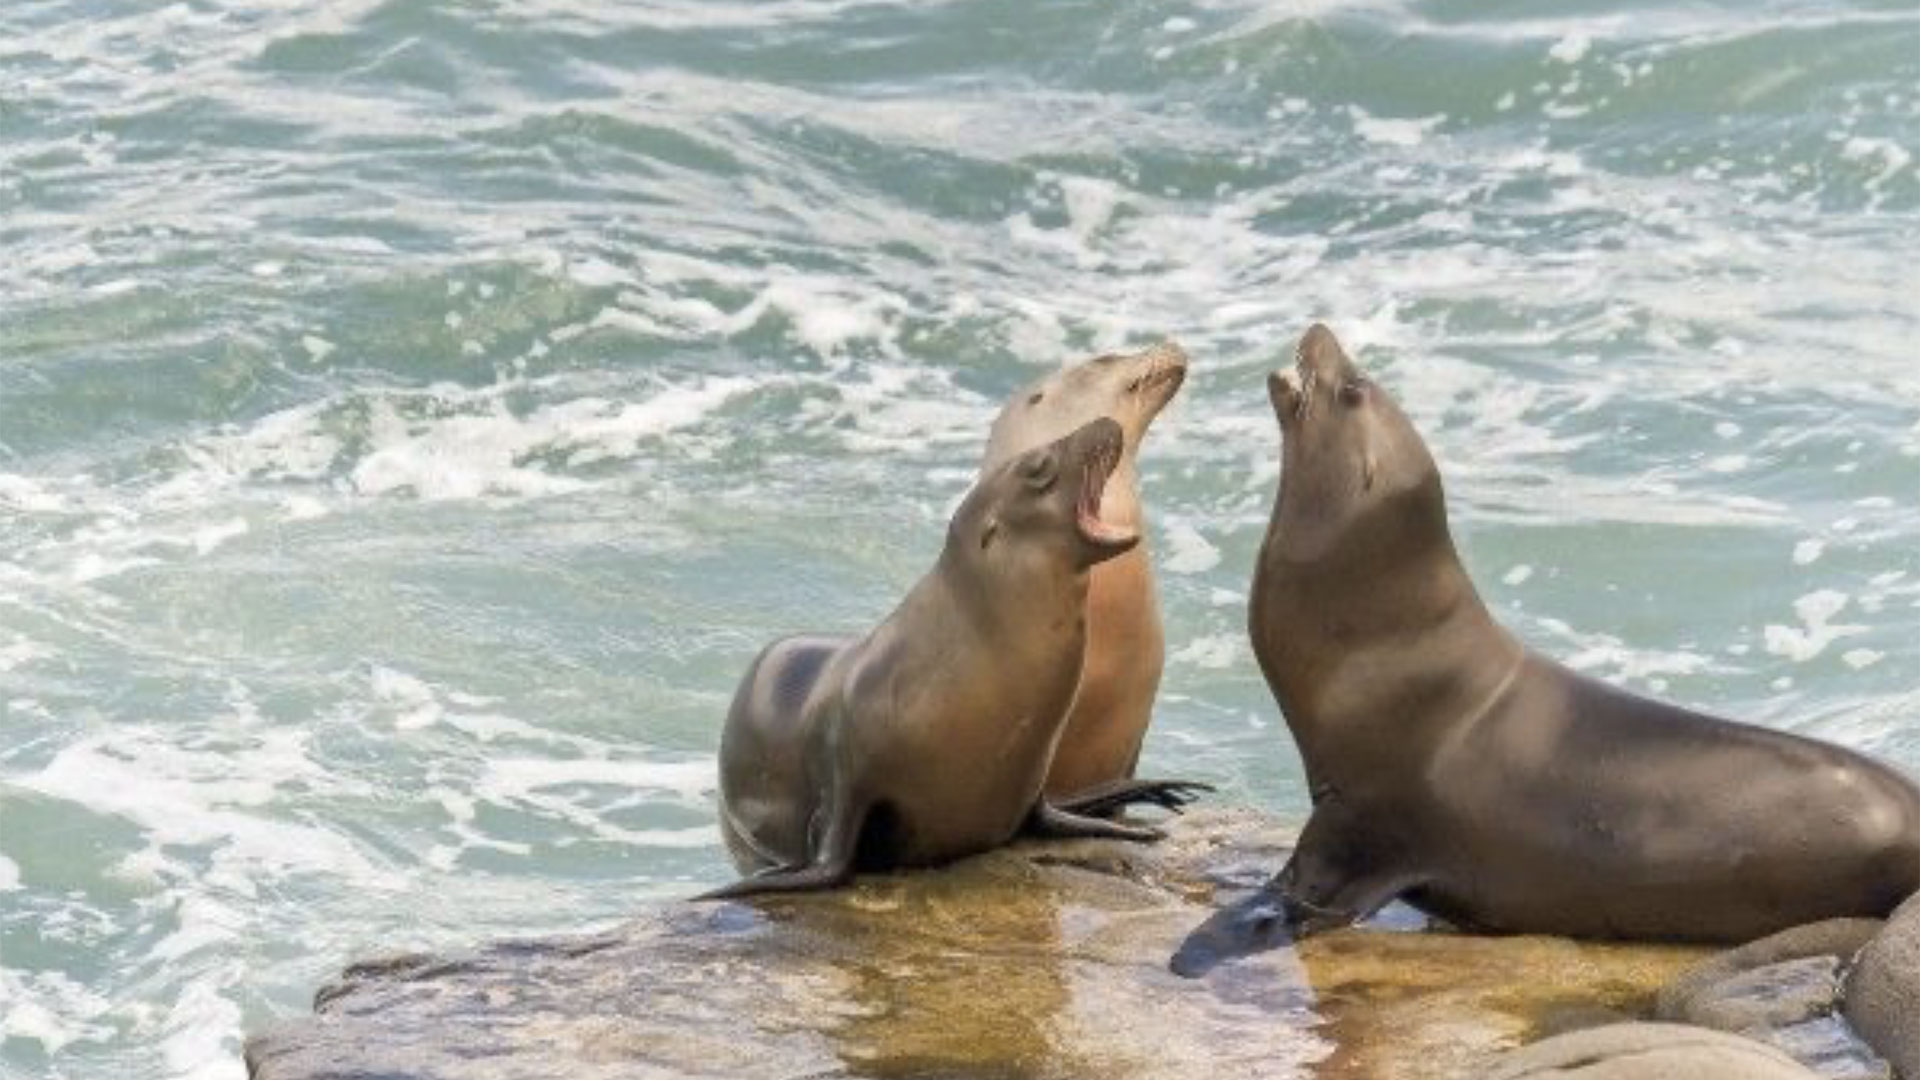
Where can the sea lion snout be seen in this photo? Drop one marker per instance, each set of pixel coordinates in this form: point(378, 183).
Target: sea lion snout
point(1166, 366)
point(1152, 377)
point(1321, 361)
point(1319, 350)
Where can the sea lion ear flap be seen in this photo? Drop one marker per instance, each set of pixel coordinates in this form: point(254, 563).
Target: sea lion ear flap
point(1368, 468)
point(989, 533)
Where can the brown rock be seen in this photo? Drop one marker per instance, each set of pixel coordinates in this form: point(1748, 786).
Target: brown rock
point(1883, 991)
point(1648, 1052)
point(1042, 961)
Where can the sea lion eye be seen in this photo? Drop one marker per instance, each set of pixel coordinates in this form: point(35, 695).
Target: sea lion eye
point(1353, 392)
point(1134, 386)
point(1040, 473)
point(1037, 395)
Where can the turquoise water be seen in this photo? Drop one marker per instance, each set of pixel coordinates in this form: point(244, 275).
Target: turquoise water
point(413, 415)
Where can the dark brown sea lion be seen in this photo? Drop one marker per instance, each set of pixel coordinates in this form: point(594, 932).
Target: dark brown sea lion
point(929, 738)
point(1455, 769)
point(1126, 650)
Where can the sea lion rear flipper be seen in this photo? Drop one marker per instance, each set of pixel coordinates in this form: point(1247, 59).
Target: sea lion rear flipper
point(1108, 799)
point(1049, 821)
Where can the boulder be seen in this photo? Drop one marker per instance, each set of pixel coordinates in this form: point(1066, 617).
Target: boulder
point(1882, 993)
point(1783, 990)
point(1040, 960)
point(1647, 1052)
point(1783, 979)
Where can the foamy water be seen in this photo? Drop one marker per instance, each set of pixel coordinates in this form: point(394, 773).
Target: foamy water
point(414, 416)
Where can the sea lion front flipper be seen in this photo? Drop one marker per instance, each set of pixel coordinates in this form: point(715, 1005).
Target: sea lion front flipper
point(1262, 920)
point(1334, 879)
point(1050, 822)
point(805, 878)
point(1269, 919)
point(830, 866)
point(1106, 800)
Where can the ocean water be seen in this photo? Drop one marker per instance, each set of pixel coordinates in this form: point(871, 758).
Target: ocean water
point(415, 413)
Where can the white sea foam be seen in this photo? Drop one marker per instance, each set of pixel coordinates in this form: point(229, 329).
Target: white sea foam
point(20, 653)
point(9, 875)
point(214, 796)
point(1188, 552)
point(26, 495)
point(1607, 656)
point(1213, 652)
point(1389, 131)
point(1571, 48)
point(1090, 204)
point(1891, 156)
point(199, 1028)
point(51, 1009)
point(548, 786)
point(1816, 631)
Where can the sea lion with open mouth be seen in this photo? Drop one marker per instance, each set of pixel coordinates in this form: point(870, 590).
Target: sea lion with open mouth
point(1483, 783)
point(929, 738)
point(1093, 767)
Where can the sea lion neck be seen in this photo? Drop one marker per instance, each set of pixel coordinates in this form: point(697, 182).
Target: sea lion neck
point(1324, 628)
point(960, 581)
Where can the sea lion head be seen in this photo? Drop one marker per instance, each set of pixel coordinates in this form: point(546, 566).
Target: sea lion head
point(1353, 471)
point(1131, 388)
point(1041, 508)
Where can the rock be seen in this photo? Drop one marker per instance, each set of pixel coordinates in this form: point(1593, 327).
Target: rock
point(1783, 990)
point(1647, 1052)
point(1782, 979)
point(1764, 998)
point(1883, 992)
point(1041, 960)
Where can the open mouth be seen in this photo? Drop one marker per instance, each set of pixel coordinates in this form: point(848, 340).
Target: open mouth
point(1102, 459)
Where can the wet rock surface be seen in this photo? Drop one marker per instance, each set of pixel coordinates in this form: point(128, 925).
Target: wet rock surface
point(1648, 1052)
point(1784, 991)
point(1045, 961)
point(1883, 991)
